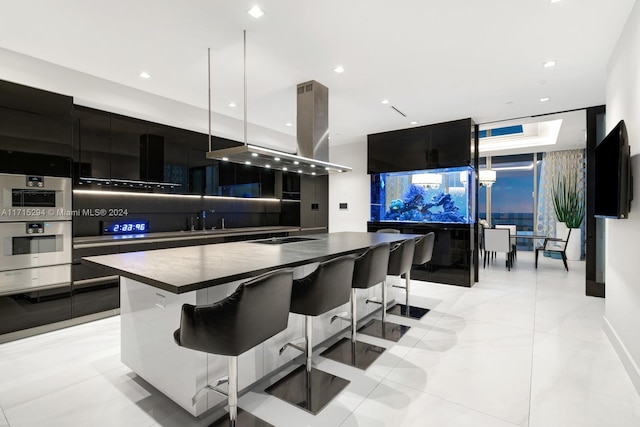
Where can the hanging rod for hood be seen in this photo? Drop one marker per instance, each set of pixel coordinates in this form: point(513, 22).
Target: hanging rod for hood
point(253, 155)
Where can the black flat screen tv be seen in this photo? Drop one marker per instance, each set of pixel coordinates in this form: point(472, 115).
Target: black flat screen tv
point(613, 189)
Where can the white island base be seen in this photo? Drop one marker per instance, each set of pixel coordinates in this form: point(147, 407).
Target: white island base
point(150, 316)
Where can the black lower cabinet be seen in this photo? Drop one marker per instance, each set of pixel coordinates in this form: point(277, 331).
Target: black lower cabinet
point(96, 297)
point(93, 291)
point(453, 254)
point(30, 309)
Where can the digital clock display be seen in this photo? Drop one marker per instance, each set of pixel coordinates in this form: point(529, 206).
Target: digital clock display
point(125, 227)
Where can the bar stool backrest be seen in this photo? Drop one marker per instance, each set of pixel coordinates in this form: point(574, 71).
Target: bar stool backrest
point(401, 258)
point(424, 249)
point(327, 287)
point(371, 267)
point(253, 313)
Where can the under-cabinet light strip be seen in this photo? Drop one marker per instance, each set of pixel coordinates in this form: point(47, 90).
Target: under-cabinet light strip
point(183, 196)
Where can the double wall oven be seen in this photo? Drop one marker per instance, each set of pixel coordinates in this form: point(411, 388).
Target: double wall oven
point(35, 257)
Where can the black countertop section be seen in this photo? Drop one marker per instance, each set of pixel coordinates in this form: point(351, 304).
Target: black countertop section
point(187, 269)
point(96, 241)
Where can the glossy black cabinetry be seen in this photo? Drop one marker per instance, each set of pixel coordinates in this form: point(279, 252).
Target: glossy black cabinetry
point(110, 146)
point(314, 202)
point(453, 252)
point(434, 146)
point(31, 309)
point(35, 131)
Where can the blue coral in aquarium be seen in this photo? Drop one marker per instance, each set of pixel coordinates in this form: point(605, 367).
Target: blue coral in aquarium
point(415, 207)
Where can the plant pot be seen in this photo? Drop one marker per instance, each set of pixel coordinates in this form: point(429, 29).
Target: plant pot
point(573, 251)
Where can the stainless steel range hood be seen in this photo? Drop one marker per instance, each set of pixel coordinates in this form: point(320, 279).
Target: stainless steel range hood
point(312, 156)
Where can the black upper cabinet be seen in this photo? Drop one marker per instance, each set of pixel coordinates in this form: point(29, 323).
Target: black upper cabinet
point(126, 135)
point(426, 147)
point(35, 131)
point(166, 158)
point(92, 144)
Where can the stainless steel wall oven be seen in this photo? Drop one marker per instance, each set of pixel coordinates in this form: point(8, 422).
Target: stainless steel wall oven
point(35, 251)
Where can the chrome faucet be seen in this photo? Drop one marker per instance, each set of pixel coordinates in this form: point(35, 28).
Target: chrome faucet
point(203, 217)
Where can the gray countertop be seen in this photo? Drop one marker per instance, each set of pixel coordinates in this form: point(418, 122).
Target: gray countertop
point(97, 241)
point(186, 269)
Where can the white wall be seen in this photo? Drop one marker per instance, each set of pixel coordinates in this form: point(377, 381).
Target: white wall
point(622, 270)
point(351, 188)
point(105, 95)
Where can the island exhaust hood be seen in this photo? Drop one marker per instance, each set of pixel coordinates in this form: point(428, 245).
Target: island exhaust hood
point(312, 156)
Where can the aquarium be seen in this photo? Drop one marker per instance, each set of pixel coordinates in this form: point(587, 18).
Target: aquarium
point(435, 195)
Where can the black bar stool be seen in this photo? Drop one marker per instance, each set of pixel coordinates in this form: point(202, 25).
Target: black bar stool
point(323, 290)
point(421, 255)
point(256, 311)
point(400, 260)
point(370, 269)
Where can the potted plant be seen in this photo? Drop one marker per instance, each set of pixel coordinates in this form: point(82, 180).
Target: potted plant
point(568, 204)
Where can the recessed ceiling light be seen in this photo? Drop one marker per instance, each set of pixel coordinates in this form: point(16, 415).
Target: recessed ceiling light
point(145, 75)
point(296, 162)
point(339, 69)
point(288, 124)
point(299, 170)
point(256, 12)
point(327, 168)
point(549, 64)
point(254, 154)
point(225, 159)
point(414, 123)
point(545, 99)
point(384, 101)
point(247, 162)
point(267, 166)
point(313, 166)
point(284, 169)
point(313, 173)
point(233, 104)
point(277, 159)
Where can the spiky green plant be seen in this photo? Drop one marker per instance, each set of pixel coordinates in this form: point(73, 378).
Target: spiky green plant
point(567, 201)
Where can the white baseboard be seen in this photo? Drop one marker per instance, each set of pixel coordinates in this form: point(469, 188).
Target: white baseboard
point(621, 350)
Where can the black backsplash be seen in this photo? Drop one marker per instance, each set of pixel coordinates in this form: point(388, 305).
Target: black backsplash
point(171, 213)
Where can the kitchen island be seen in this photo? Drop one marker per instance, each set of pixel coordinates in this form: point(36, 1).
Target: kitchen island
point(155, 284)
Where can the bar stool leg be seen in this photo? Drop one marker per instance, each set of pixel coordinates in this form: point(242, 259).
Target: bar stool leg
point(407, 309)
point(233, 389)
point(354, 320)
point(407, 279)
point(384, 302)
point(308, 335)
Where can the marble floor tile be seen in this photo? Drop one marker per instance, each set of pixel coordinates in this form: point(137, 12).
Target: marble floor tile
point(63, 358)
point(481, 365)
point(580, 383)
point(3, 419)
point(394, 405)
point(571, 316)
point(507, 307)
point(117, 398)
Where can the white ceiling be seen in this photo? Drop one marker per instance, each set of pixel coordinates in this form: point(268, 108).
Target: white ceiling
point(434, 60)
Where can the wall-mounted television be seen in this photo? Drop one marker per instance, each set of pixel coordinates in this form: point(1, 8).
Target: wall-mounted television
point(614, 186)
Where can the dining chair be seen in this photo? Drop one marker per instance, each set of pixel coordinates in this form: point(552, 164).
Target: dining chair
point(555, 245)
point(512, 233)
point(498, 240)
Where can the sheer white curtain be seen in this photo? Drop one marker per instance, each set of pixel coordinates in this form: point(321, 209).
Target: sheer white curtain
point(556, 164)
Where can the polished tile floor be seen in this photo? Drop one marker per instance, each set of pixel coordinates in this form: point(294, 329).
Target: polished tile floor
point(521, 348)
